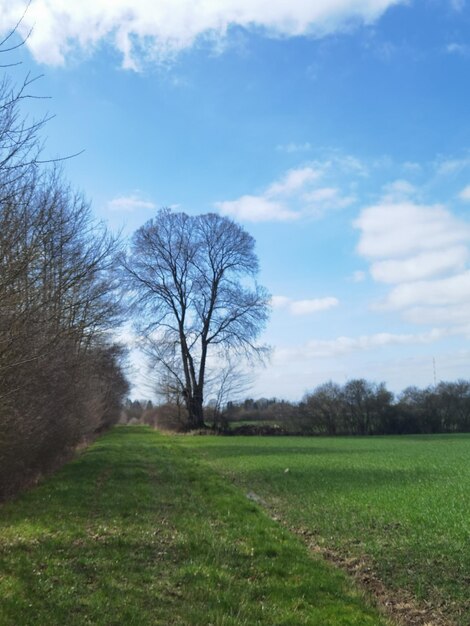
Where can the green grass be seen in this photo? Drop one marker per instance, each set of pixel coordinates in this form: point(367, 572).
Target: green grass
point(401, 502)
point(140, 531)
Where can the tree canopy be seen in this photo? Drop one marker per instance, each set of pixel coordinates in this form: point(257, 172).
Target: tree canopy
point(192, 281)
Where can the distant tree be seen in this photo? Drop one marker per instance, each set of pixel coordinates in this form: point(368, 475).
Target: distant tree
point(324, 409)
point(418, 410)
point(366, 406)
point(281, 412)
point(188, 276)
point(133, 409)
point(453, 405)
point(383, 410)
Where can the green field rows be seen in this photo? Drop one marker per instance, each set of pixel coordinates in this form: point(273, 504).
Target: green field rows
point(141, 531)
point(403, 503)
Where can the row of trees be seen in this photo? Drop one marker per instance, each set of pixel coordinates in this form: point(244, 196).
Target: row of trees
point(360, 407)
point(60, 375)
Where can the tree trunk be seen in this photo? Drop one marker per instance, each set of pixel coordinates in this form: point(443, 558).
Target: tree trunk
point(196, 412)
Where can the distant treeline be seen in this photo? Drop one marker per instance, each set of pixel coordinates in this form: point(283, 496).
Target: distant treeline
point(60, 375)
point(358, 407)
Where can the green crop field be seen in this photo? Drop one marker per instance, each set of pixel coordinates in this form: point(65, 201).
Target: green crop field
point(141, 530)
point(398, 505)
point(150, 529)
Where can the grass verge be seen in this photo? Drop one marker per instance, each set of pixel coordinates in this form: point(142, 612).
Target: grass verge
point(138, 531)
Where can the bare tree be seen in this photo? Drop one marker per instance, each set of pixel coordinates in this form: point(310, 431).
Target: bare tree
point(60, 377)
point(20, 135)
point(188, 276)
point(366, 404)
point(324, 408)
point(228, 382)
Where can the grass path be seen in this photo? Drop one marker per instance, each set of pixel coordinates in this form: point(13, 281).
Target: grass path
point(138, 531)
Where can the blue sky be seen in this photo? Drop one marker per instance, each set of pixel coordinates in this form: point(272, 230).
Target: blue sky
point(337, 132)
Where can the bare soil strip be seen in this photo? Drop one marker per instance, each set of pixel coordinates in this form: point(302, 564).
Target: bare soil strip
point(399, 606)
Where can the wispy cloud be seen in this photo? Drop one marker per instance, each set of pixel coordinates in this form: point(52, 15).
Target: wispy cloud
point(325, 348)
point(458, 5)
point(128, 204)
point(350, 163)
point(294, 147)
point(256, 209)
point(358, 276)
point(449, 166)
point(275, 203)
point(297, 193)
point(412, 167)
point(327, 198)
point(465, 194)
point(398, 190)
point(293, 181)
point(304, 307)
point(155, 30)
point(458, 48)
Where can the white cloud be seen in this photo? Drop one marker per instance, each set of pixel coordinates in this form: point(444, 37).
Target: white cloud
point(280, 302)
point(327, 198)
point(345, 345)
point(291, 374)
point(352, 164)
point(420, 266)
point(450, 166)
point(465, 194)
point(272, 204)
point(404, 229)
point(358, 276)
point(157, 29)
point(456, 315)
point(398, 190)
point(411, 166)
point(324, 194)
point(295, 194)
point(304, 307)
point(423, 251)
point(307, 307)
point(256, 209)
point(435, 293)
point(292, 181)
point(129, 204)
